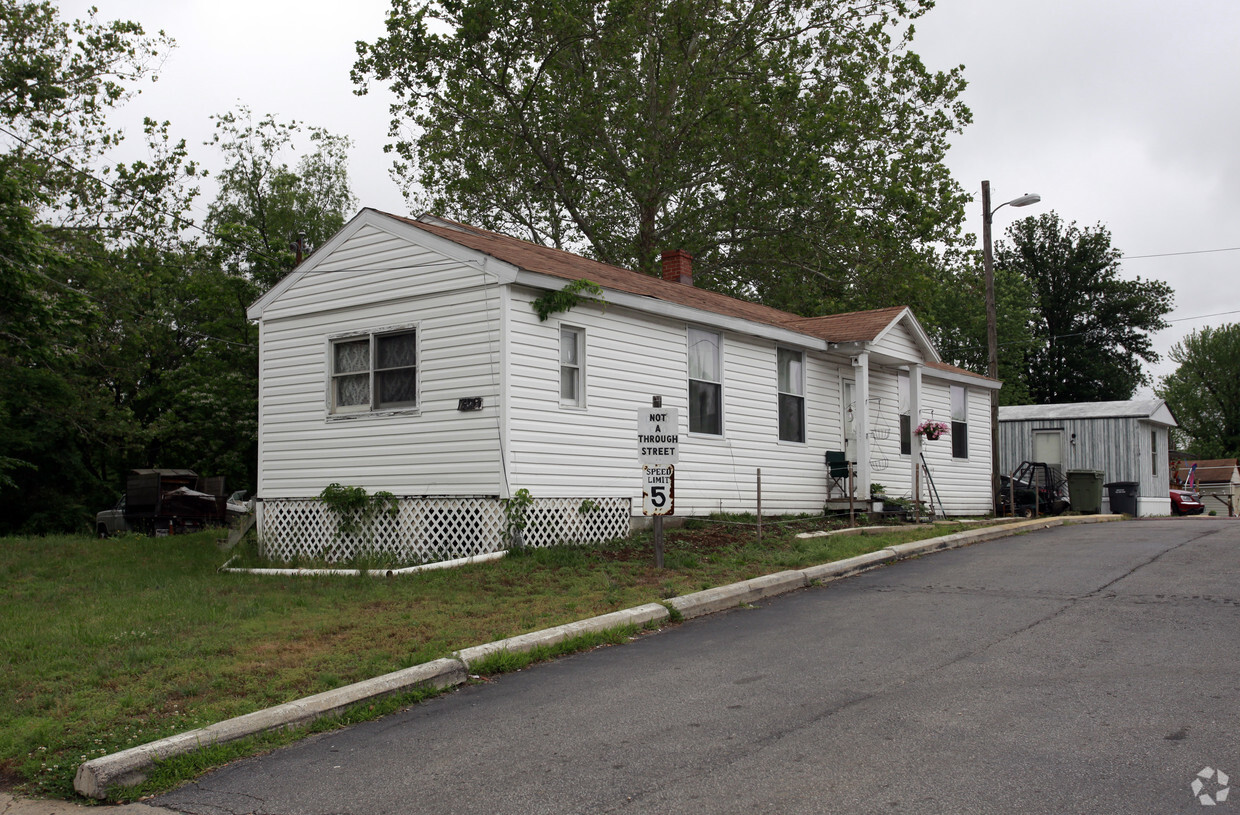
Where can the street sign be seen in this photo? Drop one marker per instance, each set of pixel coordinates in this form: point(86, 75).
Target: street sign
point(658, 436)
point(658, 489)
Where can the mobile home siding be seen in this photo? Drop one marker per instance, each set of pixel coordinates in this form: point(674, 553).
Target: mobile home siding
point(1118, 446)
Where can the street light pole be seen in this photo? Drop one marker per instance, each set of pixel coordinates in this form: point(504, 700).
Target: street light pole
point(992, 327)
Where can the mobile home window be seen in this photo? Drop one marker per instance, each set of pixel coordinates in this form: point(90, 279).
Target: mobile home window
point(374, 371)
point(572, 357)
point(960, 421)
point(1154, 449)
point(791, 376)
point(705, 383)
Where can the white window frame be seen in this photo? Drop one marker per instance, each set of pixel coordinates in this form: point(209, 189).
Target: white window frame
point(719, 382)
point(962, 422)
point(335, 411)
point(579, 334)
point(904, 411)
point(779, 429)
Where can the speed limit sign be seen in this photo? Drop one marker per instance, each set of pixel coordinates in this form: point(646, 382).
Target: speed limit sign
point(658, 489)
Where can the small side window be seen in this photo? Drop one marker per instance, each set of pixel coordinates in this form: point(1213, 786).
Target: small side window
point(572, 367)
point(960, 421)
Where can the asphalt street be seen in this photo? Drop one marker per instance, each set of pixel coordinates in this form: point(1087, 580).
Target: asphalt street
point(1086, 669)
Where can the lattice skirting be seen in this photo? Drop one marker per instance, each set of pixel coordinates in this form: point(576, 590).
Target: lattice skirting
point(427, 530)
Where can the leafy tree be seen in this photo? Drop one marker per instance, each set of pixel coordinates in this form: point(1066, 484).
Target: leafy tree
point(956, 317)
point(793, 146)
point(1090, 327)
point(1204, 391)
point(263, 203)
point(59, 225)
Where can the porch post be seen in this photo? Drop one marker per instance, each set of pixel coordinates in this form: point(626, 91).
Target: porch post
point(914, 399)
point(861, 371)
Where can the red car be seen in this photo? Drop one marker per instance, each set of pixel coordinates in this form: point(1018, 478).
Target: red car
point(1186, 502)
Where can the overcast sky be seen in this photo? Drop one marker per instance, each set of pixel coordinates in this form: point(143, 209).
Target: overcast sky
point(1120, 112)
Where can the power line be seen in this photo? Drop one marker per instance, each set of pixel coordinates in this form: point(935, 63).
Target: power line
point(1181, 254)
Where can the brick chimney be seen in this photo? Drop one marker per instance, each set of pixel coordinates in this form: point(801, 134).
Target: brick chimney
point(678, 266)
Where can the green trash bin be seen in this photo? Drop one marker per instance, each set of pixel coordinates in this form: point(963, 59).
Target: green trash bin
point(1085, 490)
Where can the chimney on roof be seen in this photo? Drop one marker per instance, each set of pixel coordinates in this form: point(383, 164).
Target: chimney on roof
point(678, 266)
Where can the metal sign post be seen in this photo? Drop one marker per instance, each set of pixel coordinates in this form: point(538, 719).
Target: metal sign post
point(658, 450)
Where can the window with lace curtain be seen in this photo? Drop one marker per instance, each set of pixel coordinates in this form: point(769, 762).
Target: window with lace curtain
point(373, 372)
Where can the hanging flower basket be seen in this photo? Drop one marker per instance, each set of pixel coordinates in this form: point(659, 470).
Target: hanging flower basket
point(930, 431)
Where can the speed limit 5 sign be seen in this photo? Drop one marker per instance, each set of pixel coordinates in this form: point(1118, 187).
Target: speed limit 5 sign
point(658, 489)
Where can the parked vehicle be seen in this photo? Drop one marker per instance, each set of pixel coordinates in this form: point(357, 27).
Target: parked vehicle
point(165, 502)
point(1186, 502)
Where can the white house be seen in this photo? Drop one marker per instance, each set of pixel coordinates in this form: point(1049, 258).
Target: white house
point(407, 356)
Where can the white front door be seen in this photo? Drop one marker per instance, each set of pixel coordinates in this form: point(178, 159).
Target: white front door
point(1048, 448)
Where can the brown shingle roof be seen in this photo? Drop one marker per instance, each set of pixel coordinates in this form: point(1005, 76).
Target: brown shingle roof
point(855, 326)
point(559, 263)
point(1209, 470)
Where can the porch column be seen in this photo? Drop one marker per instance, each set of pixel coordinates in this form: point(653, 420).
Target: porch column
point(861, 374)
point(914, 415)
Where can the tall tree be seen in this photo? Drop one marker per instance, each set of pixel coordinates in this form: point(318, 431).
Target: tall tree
point(60, 425)
point(793, 146)
point(1204, 391)
point(955, 315)
point(1091, 328)
point(263, 203)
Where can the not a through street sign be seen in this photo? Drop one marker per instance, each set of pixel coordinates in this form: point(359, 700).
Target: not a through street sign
point(658, 435)
point(658, 450)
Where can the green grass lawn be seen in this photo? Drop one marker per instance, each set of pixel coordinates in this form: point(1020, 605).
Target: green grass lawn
point(107, 644)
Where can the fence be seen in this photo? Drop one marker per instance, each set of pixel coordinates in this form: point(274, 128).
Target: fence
point(427, 530)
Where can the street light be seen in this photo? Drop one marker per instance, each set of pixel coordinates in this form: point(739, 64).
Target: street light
point(992, 327)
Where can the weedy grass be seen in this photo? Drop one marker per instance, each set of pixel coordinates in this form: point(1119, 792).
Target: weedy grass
point(108, 644)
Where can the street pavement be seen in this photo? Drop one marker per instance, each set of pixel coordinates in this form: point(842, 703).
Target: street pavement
point(1079, 669)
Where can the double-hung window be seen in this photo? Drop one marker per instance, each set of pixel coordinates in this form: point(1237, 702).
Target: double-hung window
point(374, 371)
point(572, 367)
point(791, 376)
point(906, 413)
point(960, 421)
point(705, 382)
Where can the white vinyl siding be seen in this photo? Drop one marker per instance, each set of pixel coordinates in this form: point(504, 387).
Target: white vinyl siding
point(963, 484)
point(593, 452)
point(434, 450)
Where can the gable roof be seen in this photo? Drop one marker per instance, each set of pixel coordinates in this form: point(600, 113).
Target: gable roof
point(1154, 410)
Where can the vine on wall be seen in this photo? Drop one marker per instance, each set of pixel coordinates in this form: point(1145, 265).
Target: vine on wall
point(569, 297)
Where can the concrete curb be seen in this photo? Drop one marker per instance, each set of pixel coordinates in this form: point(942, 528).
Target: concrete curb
point(640, 615)
point(848, 566)
point(133, 766)
point(747, 591)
